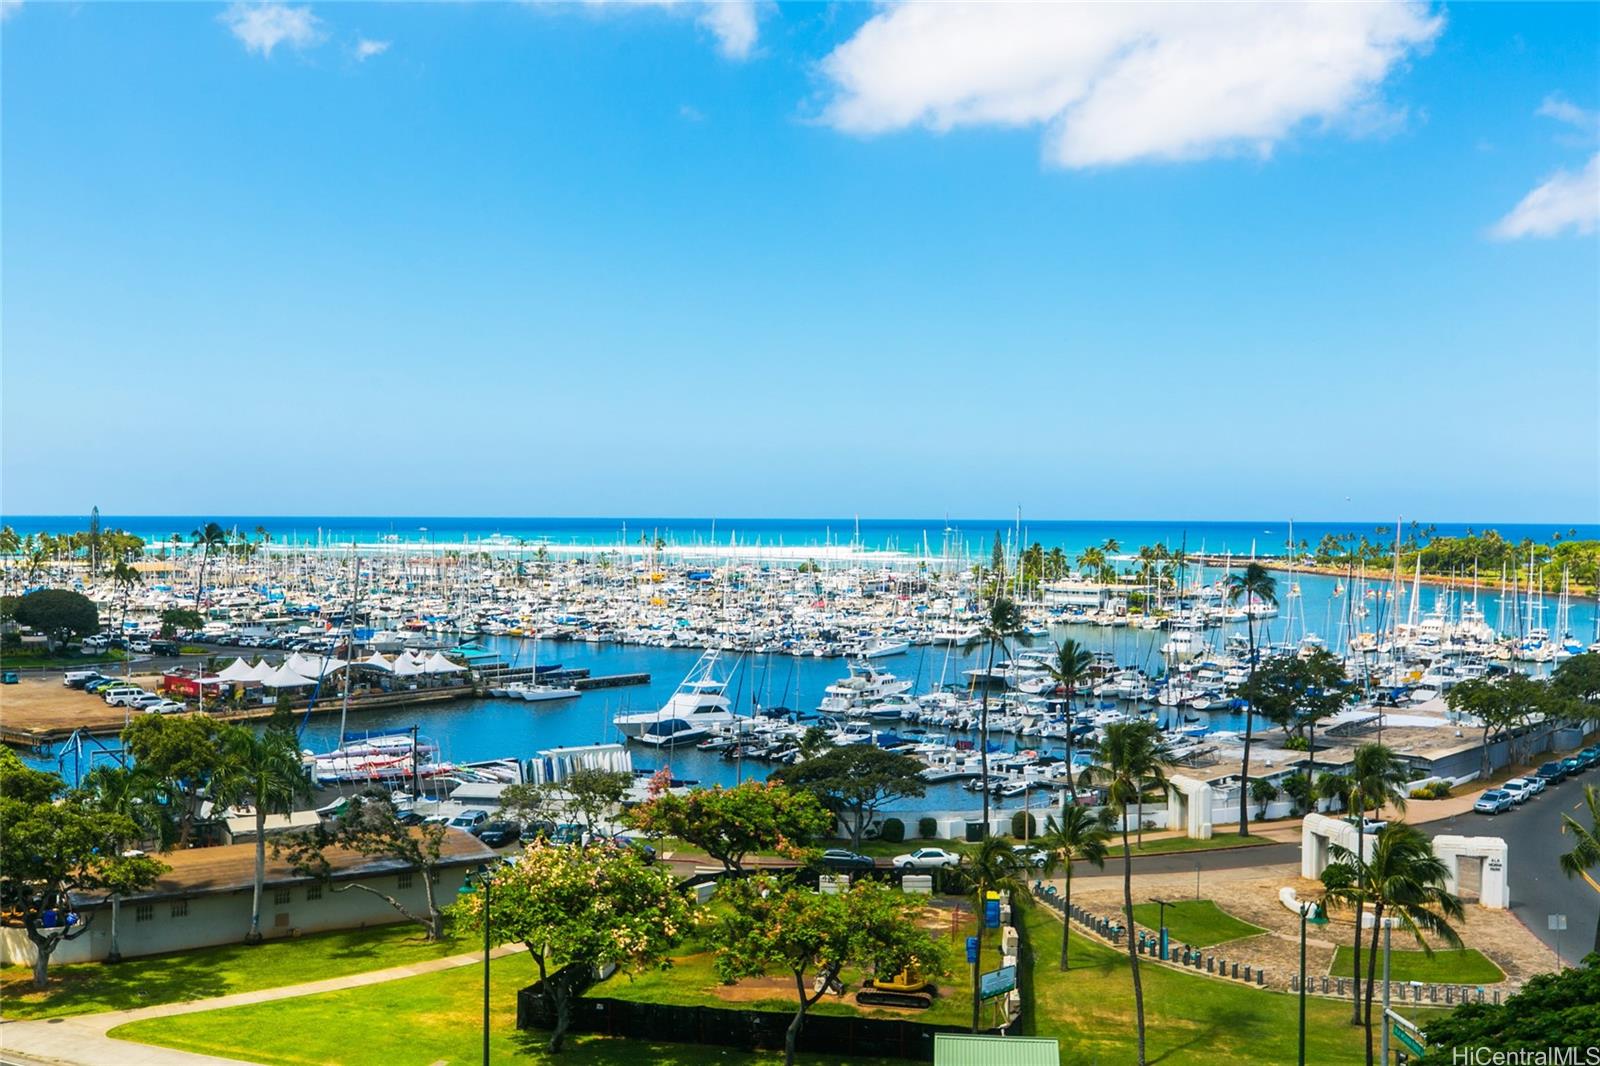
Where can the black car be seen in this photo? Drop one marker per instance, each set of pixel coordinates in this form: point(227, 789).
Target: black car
point(841, 861)
point(499, 834)
point(1552, 772)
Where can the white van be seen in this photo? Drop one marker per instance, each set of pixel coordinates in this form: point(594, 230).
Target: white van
point(122, 695)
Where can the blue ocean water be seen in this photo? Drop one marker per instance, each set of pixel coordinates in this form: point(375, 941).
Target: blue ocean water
point(913, 535)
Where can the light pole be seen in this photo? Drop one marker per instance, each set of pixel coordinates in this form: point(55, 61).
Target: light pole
point(1161, 924)
point(481, 878)
point(1313, 913)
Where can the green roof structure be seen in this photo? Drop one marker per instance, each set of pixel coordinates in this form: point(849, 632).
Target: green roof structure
point(961, 1049)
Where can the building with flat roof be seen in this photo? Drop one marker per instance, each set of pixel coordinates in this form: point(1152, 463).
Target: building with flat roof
point(204, 900)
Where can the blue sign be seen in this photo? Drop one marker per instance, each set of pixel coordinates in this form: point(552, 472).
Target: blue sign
point(972, 949)
point(997, 982)
point(991, 913)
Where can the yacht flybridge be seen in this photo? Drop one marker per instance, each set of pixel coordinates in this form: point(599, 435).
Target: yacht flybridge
point(698, 703)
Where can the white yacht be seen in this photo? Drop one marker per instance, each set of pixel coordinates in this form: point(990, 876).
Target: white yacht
point(698, 701)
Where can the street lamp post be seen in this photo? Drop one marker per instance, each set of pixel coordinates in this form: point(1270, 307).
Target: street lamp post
point(1161, 923)
point(1313, 913)
point(481, 878)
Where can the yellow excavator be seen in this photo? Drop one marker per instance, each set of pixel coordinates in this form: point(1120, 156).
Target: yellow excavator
point(908, 988)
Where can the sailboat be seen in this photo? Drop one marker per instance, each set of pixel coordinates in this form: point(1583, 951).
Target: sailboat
point(537, 693)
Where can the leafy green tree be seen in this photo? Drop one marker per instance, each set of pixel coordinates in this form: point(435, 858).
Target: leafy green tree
point(590, 794)
point(1255, 586)
point(59, 614)
point(176, 618)
point(1262, 792)
point(262, 771)
point(185, 752)
point(1004, 622)
point(580, 908)
point(1132, 757)
point(1552, 1010)
point(1404, 881)
point(1500, 705)
point(370, 825)
point(125, 577)
point(1081, 835)
point(1585, 853)
point(729, 823)
point(769, 925)
point(1296, 692)
point(993, 867)
point(134, 793)
point(855, 782)
point(1578, 678)
point(59, 850)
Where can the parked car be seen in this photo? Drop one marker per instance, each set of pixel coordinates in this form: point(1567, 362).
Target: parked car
point(164, 647)
point(78, 678)
point(1591, 756)
point(149, 699)
point(100, 684)
point(1030, 856)
point(1522, 789)
point(162, 707)
point(1552, 772)
point(1574, 764)
point(841, 861)
point(926, 859)
point(123, 695)
point(139, 644)
point(469, 820)
point(1494, 801)
point(498, 834)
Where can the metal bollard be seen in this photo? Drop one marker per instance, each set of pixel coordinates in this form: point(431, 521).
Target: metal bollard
point(1236, 971)
point(1497, 997)
point(1341, 987)
point(1324, 984)
point(1433, 993)
point(1449, 993)
point(1211, 964)
point(1247, 973)
point(1261, 977)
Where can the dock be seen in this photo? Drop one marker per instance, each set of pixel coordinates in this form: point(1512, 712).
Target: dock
point(578, 678)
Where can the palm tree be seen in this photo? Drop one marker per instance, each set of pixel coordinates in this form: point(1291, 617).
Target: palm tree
point(1586, 851)
point(212, 538)
point(1376, 777)
point(994, 867)
point(1004, 622)
point(1072, 665)
point(1406, 879)
point(1132, 757)
point(1091, 561)
point(1080, 835)
point(125, 577)
point(1253, 586)
point(264, 770)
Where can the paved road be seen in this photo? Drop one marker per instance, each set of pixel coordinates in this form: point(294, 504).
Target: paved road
point(1538, 887)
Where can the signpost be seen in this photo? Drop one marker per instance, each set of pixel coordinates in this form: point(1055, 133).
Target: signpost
point(997, 982)
point(1558, 925)
point(1412, 1044)
point(972, 950)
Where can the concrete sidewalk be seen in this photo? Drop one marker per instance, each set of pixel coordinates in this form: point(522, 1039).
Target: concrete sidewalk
point(81, 1040)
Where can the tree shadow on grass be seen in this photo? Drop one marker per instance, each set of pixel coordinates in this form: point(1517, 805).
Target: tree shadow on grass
point(1219, 1021)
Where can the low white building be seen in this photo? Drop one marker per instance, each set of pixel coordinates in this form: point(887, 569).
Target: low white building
point(204, 900)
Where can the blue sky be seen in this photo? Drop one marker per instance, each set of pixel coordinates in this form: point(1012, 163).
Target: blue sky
point(801, 260)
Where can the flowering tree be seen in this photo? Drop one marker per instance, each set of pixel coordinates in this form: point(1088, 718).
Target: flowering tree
point(771, 925)
point(729, 823)
point(581, 908)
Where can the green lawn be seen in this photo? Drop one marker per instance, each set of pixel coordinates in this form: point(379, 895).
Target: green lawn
point(1196, 922)
point(1171, 844)
point(434, 1019)
point(1191, 1019)
point(1465, 966)
point(88, 987)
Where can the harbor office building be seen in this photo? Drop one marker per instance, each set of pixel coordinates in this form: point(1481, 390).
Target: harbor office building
point(204, 900)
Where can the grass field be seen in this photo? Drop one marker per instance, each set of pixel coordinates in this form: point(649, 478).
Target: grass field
point(435, 1019)
point(1197, 922)
point(1454, 967)
point(89, 987)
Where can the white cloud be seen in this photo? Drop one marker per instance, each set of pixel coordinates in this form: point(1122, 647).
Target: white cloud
point(366, 49)
point(1115, 83)
point(1561, 109)
point(9, 8)
point(262, 27)
point(1563, 202)
point(732, 22)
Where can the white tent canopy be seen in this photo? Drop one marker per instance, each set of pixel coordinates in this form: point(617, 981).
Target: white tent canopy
point(283, 677)
point(261, 671)
point(238, 670)
point(405, 667)
point(438, 664)
point(377, 662)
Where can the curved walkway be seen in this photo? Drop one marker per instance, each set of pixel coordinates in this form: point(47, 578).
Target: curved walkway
point(81, 1040)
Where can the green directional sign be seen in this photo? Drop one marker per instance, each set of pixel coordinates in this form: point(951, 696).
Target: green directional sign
point(1403, 1035)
